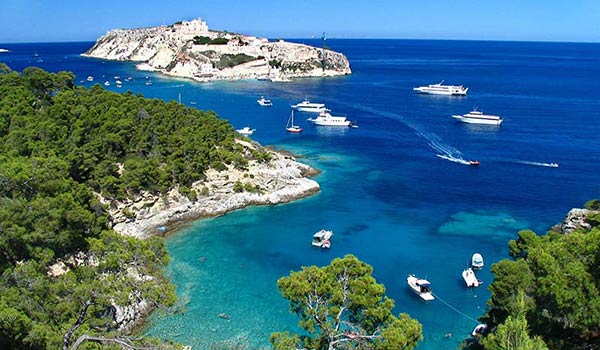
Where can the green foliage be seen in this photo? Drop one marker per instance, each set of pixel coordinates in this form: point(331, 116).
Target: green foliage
point(204, 40)
point(559, 275)
point(341, 306)
point(230, 60)
point(238, 186)
point(275, 63)
point(513, 334)
point(593, 204)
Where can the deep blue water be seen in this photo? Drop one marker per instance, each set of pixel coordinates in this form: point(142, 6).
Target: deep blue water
point(387, 196)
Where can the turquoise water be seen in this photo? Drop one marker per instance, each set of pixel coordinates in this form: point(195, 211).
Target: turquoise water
point(386, 195)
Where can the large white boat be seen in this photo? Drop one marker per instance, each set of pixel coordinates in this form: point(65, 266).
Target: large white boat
point(477, 117)
point(421, 287)
point(477, 261)
point(326, 119)
point(265, 102)
point(439, 89)
point(470, 278)
point(311, 107)
point(246, 131)
point(321, 239)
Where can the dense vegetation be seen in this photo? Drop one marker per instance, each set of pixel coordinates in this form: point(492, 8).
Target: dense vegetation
point(202, 40)
point(552, 287)
point(341, 306)
point(58, 145)
point(230, 60)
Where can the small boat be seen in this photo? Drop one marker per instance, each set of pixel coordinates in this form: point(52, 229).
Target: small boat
point(553, 165)
point(90, 78)
point(321, 239)
point(117, 77)
point(264, 102)
point(477, 117)
point(118, 82)
point(439, 89)
point(326, 119)
point(290, 127)
point(474, 162)
point(148, 82)
point(476, 261)
point(421, 287)
point(107, 83)
point(479, 329)
point(307, 106)
point(246, 131)
point(470, 278)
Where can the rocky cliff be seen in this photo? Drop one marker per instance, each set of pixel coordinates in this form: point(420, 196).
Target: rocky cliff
point(190, 50)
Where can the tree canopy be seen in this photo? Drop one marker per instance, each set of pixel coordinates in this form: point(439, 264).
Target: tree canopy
point(341, 306)
point(558, 275)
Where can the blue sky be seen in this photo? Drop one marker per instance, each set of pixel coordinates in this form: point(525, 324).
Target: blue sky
point(532, 20)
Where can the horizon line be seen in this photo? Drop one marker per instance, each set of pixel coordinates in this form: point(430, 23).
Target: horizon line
point(347, 38)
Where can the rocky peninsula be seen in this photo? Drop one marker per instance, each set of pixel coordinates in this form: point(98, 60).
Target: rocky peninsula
point(191, 50)
point(279, 180)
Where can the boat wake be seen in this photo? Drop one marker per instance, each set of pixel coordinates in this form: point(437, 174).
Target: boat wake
point(454, 159)
point(548, 165)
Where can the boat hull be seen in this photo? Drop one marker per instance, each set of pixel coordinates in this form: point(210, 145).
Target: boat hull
point(440, 92)
point(468, 120)
point(327, 123)
point(412, 284)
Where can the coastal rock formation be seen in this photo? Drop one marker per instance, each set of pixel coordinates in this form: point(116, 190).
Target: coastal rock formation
point(280, 180)
point(575, 219)
point(191, 50)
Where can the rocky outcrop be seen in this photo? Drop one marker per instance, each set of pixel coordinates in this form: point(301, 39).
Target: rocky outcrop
point(575, 219)
point(173, 50)
point(280, 180)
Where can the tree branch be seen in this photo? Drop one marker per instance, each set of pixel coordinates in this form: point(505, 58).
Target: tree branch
point(78, 323)
point(124, 342)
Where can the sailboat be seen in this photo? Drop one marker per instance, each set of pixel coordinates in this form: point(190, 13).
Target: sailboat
point(290, 127)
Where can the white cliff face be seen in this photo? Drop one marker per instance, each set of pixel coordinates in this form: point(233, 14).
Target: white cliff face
point(171, 50)
point(281, 180)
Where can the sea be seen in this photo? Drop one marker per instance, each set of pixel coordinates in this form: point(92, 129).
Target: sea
point(395, 191)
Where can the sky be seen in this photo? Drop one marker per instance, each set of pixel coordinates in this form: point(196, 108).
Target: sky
point(522, 20)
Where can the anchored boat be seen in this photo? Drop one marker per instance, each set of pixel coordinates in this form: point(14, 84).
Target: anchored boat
point(421, 287)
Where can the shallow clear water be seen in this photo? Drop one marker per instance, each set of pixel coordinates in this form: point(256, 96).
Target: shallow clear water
point(386, 195)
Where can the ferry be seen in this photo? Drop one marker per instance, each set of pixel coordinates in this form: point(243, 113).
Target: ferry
point(477, 117)
point(307, 106)
point(326, 119)
point(439, 89)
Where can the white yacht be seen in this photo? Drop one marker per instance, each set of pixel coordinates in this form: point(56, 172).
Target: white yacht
point(90, 78)
point(326, 119)
point(421, 287)
point(321, 239)
point(264, 102)
point(477, 261)
point(439, 89)
point(246, 131)
point(290, 127)
point(307, 106)
point(477, 117)
point(107, 83)
point(470, 278)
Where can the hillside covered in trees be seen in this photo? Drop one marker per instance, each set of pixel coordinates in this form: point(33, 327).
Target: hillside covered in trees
point(548, 295)
point(62, 269)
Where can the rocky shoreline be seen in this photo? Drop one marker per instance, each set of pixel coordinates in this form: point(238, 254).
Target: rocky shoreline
point(280, 180)
point(191, 50)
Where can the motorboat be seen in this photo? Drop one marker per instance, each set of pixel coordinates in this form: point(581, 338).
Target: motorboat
point(148, 83)
point(90, 78)
point(476, 261)
point(473, 162)
point(326, 119)
point(264, 102)
point(439, 89)
point(118, 82)
point(290, 127)
point(246, 131)
point(321, 239)
point(310, 107)
point(107, 83)
point(477, 117)
point(421, 287)
point(479, 329)
point(470, 279)
point(553, 165)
